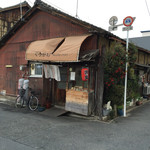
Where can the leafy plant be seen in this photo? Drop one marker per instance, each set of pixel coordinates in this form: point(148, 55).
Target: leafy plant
point(114, 73)
point(114, 66)
point(120, 107)
point(115, 94)
point(133, 86)
point(112, 114)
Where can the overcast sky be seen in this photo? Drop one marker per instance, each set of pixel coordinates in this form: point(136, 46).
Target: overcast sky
point(98, 12)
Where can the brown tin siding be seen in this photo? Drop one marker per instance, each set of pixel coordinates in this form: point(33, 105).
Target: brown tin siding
point(41, 26)
point(12, 57)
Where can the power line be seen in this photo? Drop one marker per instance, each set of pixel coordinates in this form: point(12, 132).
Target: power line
point(147, 7)
point(53, 5)
point(57, 7)
point(30, 2)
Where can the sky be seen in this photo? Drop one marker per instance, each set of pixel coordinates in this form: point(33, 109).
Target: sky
point(98, 12)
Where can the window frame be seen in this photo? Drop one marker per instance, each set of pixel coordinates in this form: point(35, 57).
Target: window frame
point(36, 75)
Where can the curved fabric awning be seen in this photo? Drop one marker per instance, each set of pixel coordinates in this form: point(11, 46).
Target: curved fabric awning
point(43, 49)
point(56, 50)
point(69, 50)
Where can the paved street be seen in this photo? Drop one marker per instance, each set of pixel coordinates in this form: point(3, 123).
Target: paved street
point(21, 129)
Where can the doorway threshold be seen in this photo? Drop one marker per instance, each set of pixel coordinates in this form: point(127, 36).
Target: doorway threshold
point(59, 107)
point(54, 111)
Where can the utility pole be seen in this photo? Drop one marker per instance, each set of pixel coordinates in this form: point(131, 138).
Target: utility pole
point(77, 10)
point(127, 22)
point(20, 10)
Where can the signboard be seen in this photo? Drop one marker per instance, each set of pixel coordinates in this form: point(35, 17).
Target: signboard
point(85, 74)
point(128, 21)
point(112, 28)
point(72, 76)
point(127, 28)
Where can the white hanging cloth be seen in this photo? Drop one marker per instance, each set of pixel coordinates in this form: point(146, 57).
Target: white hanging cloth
point(52, 71)
point(47, 71)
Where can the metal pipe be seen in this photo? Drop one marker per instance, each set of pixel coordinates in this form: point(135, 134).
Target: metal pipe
point(126, 74)
point(20, 10)
point(77, 10)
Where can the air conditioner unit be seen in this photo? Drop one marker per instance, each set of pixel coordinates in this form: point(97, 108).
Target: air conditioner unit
point(146, 90)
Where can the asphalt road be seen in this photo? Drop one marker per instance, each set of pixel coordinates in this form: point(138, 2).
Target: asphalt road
point(25, 130)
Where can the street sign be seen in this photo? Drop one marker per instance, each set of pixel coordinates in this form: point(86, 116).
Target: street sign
point(128, 21)
point(112, 28)
point(127, 28)
point(113, 20)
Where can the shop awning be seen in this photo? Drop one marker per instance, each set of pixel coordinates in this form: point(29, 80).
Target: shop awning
point(56, 50)
point(43, 49)
point(89, 55)
point(69, 50)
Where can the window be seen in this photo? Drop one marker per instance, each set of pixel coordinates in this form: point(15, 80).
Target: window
point(76, 81)
point(36, 70)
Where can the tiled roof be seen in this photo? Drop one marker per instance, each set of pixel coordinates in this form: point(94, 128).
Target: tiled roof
point(15, 6)
point(143, 42)
point(49, 9)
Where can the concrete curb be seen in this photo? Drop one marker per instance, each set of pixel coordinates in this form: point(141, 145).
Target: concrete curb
point(130, 110)
point(9, 100)
point(135, 107)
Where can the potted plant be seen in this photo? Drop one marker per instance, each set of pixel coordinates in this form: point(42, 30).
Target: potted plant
point(120, 110)
point(138, 101)
point(115, 95)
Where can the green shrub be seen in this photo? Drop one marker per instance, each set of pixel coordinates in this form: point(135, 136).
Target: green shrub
point(115, 94)
point(114, 73)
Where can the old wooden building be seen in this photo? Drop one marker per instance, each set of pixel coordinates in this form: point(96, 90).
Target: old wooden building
point(143, 56)
point(61, 55)
point(10, 15)
point(142, 63)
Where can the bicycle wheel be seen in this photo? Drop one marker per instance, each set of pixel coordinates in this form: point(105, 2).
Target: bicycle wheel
point(33, 103)
point(19, 102)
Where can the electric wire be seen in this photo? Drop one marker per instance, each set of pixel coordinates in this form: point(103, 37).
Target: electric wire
point(57, 7)
point(53, 5)
point(147, 7)
point(30, 2)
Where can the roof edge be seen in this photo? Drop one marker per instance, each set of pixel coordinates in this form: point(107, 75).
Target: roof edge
point(40, 5)
point(24, 4)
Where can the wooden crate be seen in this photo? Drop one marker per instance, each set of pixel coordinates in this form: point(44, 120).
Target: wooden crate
point(77, 101)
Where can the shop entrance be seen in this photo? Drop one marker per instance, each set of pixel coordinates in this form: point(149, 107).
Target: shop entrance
point(60, 91)
point(56, 90)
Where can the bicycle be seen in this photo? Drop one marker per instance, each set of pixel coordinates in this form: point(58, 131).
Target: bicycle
point(32, 101)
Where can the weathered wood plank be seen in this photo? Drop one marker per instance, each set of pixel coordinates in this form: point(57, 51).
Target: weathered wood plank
point(77, 101)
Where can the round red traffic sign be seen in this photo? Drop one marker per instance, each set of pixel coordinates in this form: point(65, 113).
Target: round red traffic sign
point(128, 21)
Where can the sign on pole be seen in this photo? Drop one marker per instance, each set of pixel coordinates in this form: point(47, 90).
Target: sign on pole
point(112, 28)
point(127, 28)
point(113, 21)
point(128, 21)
